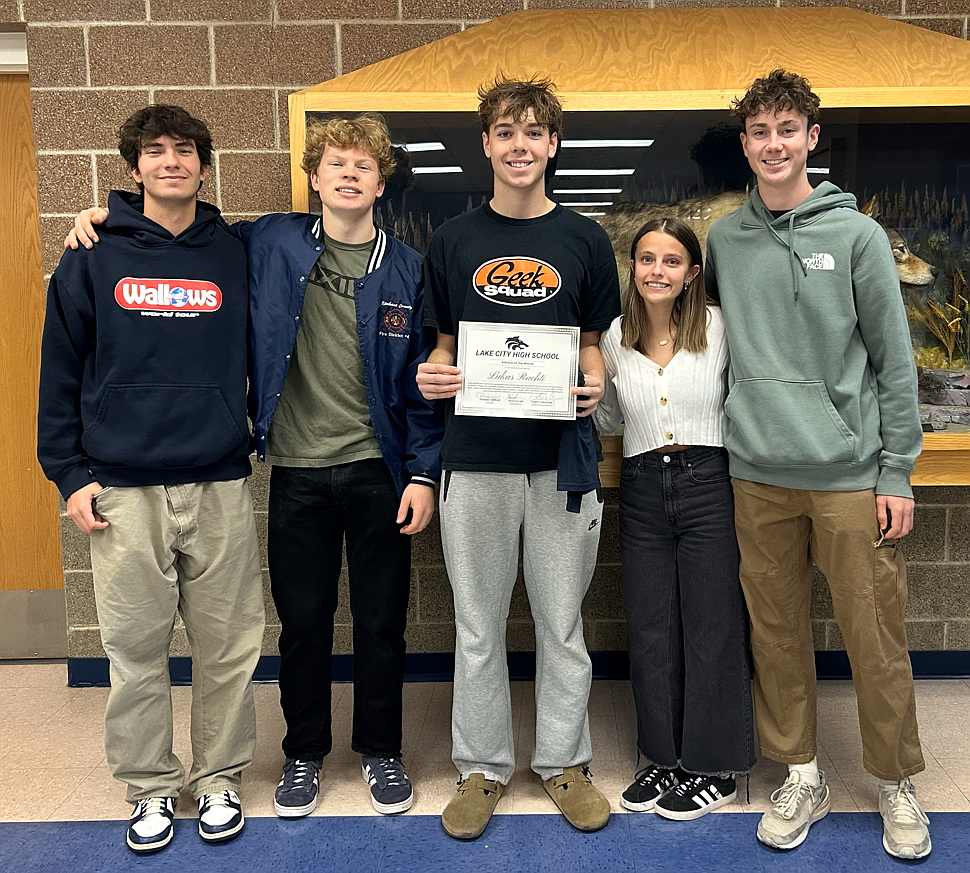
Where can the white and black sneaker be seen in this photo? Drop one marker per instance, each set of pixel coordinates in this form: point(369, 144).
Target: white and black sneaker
point(390, 788)
point(696, 796)
point(150, 827)
point(220, 816)
point(648, 786)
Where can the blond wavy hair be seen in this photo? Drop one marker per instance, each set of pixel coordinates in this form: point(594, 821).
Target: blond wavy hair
point(367, 133)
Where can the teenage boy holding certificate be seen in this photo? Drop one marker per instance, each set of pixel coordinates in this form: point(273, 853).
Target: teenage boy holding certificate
point(523, 260)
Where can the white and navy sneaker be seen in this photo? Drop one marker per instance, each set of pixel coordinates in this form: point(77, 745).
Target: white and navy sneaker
point(150, 827)
point(390, 788)
point(648, 786)
point(220, 816)
point(296, 795)
point(696, 796)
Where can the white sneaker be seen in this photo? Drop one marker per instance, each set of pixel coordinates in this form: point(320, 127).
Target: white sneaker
point(904, 825)
point(220, 816)
point(150, 826)
point(796, 806)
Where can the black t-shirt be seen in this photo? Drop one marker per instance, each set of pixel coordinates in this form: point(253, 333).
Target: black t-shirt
point(481, 266)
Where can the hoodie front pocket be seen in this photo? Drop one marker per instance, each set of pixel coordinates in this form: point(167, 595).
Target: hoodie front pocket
point(785, 424)
point(162, 426)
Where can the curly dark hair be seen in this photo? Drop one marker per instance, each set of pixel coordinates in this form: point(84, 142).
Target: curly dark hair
point(779, 90)
point(504, 96)
point(157, 120)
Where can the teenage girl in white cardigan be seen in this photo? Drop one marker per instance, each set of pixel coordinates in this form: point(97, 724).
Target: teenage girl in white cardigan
point(666, 361)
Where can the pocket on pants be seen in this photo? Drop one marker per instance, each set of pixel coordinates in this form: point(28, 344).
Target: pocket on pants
point(889, 580)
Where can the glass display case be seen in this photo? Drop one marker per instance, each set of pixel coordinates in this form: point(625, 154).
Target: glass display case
point(894, 133)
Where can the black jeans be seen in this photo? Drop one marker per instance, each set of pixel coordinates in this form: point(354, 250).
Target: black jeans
point(686, 619)
point(311, 510)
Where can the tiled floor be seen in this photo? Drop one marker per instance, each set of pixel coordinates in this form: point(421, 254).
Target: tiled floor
point(49, 731)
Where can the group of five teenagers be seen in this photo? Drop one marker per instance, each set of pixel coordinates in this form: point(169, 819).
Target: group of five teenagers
point(820, 429)
point(504, 476)
point(666, 360)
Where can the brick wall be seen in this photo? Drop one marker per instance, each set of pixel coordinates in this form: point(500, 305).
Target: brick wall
point(233, 62)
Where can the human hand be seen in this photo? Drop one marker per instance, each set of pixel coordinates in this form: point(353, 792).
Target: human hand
point(896, 513)
point(589, 396)
point(83, 231)
point(438, 381)
point(420, 500)
point(80, 508)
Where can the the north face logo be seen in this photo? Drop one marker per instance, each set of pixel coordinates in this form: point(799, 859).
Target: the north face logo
point(173, 295)
point(819, 261)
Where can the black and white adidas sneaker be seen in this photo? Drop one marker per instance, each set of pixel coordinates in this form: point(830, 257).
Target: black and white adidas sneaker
point(697, 796)
point(648, 786)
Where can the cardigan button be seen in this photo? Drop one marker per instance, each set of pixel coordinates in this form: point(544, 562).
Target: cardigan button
point(669, 435)
point(660, 372)
point(663, 401)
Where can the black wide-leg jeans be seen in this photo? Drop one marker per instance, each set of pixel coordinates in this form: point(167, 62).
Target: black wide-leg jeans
point(311, 511)
point(687, 624)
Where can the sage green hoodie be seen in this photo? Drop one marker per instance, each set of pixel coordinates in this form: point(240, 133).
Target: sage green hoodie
point(822, 384)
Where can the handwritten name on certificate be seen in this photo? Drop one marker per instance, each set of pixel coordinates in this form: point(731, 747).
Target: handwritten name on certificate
point(517, 370)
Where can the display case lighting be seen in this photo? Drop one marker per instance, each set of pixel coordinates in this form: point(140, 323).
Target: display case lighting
point(592, 214)
point(422, 171)
point(587, 190)
point(606, 143)
point(818, 171)
point(621, 172)
point(588, 203)
point(414, 147)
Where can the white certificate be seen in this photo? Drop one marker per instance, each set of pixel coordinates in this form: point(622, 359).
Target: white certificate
point(517, 370)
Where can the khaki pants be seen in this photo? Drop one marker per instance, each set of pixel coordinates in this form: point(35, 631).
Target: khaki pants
point(780, 531)
point(192, 550)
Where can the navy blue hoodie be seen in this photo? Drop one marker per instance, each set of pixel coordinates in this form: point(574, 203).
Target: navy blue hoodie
point(144, 356)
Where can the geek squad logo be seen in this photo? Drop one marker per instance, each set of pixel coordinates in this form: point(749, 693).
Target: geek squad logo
point(517, 281)
point(168, 298)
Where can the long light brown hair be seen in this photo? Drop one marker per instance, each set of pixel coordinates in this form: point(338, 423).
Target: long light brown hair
point(690, 307)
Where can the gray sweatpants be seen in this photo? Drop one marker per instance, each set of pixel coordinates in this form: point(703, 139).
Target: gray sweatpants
point(481, 516)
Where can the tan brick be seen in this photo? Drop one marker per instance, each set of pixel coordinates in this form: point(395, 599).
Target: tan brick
point(84, 10)
point(255, 182)
point(9, 11)
point(52, 233)
point(877, 7)
point(451, 9)
point(211, 10)
point(949, 26)
point(64, 183)
point(274, 55)
point(364, 44)
point(113, 173)
point(282, 98)
point(319, 9)
point(149, 55)
point(56, 56)
point(938, 7)
point(82, 119)
point(237, 119)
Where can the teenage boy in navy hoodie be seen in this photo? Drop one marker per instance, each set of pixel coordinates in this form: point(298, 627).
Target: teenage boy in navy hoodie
point(822, 428)
point(142, 427)
point(337, 309)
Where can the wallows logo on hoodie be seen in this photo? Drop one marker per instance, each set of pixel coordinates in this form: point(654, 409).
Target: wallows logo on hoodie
point(819, 261)
point(168, 295)
point(517, 281)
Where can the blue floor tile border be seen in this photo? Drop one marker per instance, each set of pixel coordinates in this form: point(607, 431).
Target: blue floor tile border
point(440, 667)
point(841, 843)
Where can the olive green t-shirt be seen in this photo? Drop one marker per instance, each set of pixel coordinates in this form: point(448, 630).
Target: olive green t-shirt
point(322, 418)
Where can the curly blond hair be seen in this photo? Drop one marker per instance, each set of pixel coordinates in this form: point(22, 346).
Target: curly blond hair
point(367, 133)
point(779, 90)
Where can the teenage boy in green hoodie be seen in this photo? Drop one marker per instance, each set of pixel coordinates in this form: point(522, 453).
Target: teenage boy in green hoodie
point(823, 432)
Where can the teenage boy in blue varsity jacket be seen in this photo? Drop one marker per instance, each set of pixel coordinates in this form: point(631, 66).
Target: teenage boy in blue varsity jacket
point(142, 427)
point(337, 312)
